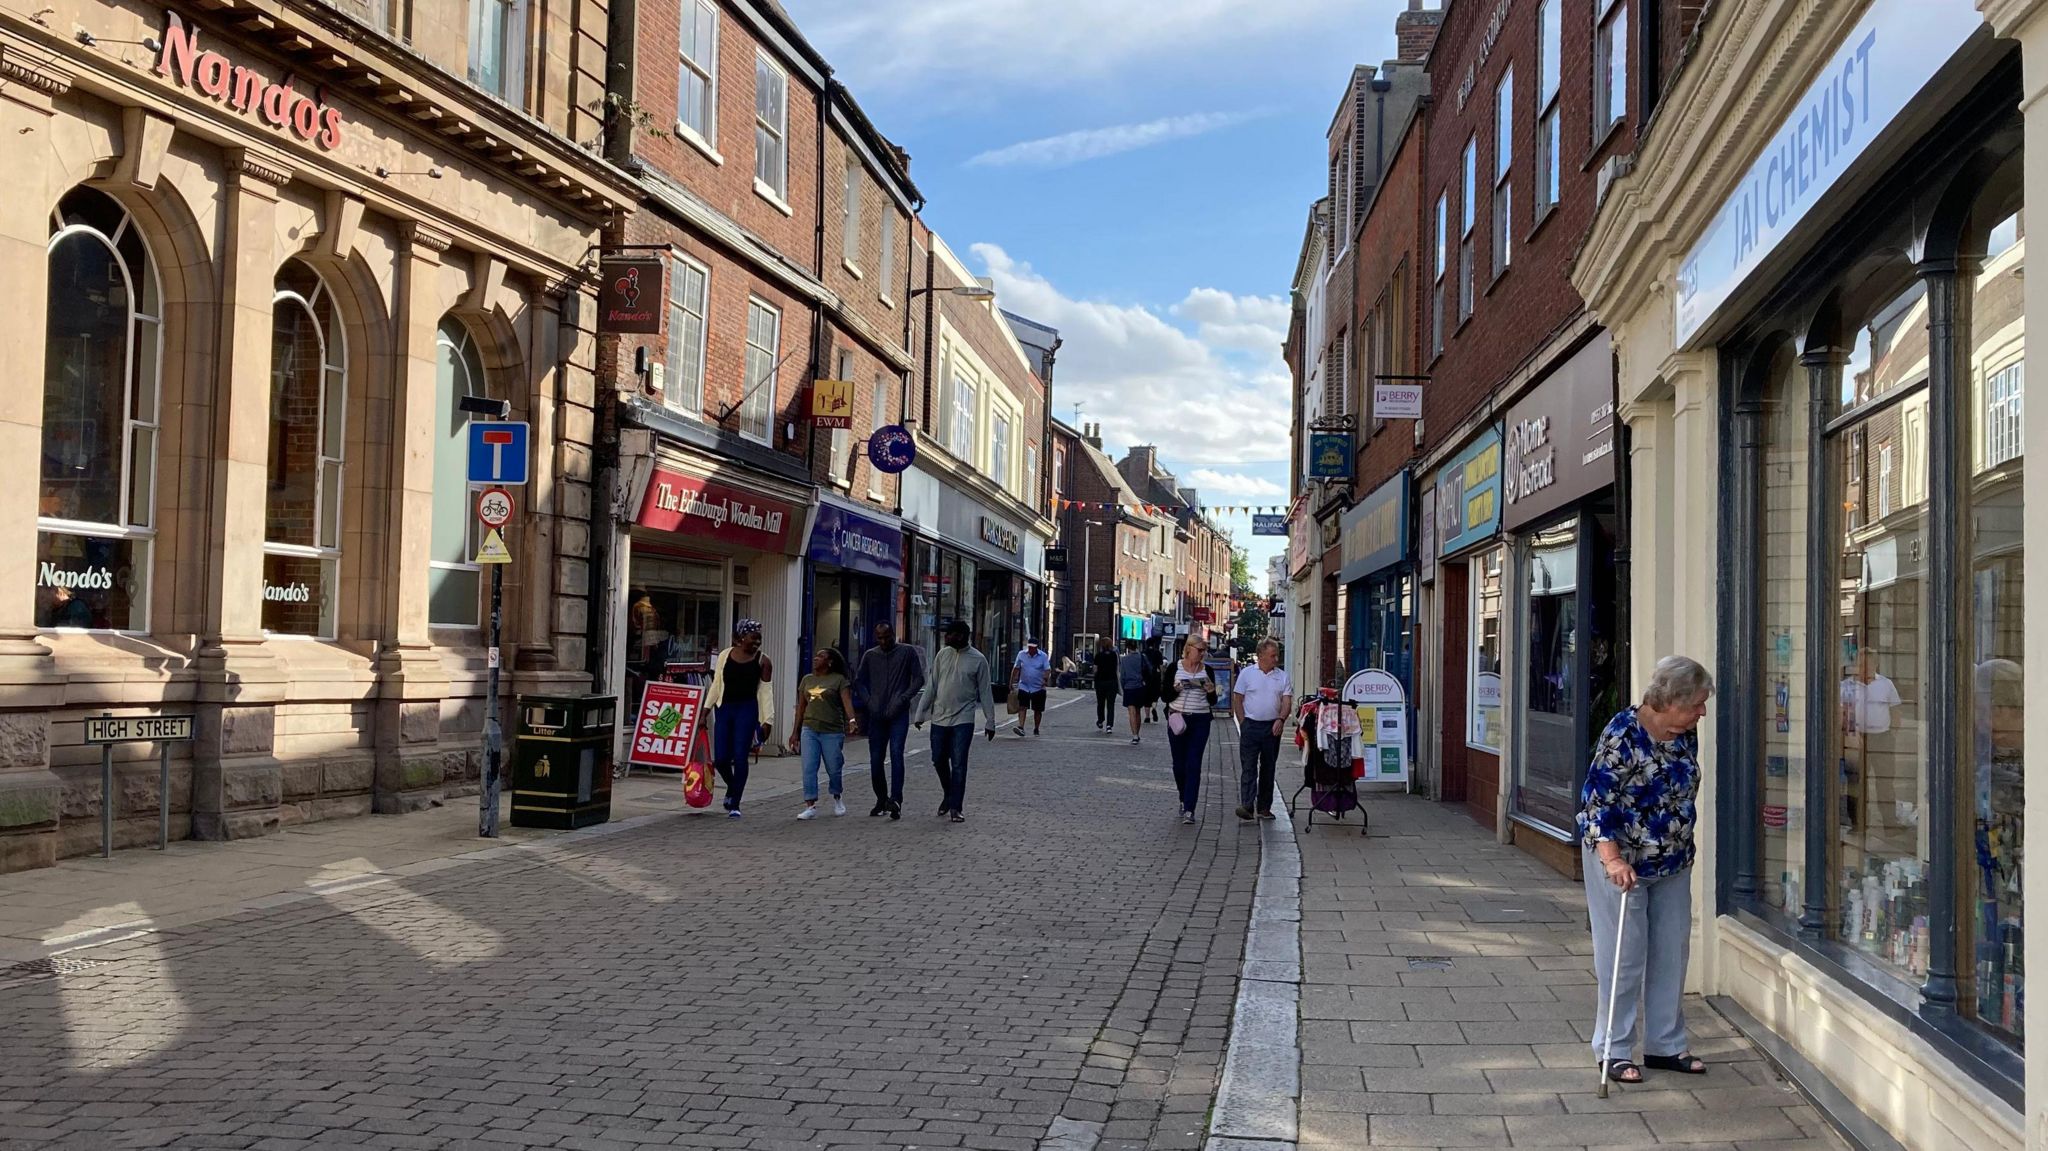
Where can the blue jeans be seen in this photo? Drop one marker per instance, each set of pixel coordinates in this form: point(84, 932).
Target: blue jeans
point(1654, 949)
point(886, 735)
point(950, 746)
point(1187, 748)
point(733, 728)
point(830, 747)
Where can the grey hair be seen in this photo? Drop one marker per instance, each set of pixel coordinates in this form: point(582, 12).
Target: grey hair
point(1268, 644)
point(1677, 681)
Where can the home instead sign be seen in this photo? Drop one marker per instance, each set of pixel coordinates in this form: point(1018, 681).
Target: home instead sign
point(1888, 57)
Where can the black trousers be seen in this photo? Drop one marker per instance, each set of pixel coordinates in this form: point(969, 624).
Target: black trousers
point(1105, 705)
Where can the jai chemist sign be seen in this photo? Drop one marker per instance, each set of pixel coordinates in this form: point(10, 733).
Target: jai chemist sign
point(1888, 57)
point(691, 506)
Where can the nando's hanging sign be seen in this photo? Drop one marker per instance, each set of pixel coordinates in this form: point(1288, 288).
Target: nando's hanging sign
point(279, 104)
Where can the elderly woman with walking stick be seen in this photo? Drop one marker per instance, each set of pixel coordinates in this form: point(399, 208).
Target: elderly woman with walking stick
point(1636, 815)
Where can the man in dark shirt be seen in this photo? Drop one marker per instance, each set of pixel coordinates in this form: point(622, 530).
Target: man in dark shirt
point(886, 685)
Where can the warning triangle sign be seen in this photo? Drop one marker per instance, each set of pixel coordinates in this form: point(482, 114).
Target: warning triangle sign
point(493, 550)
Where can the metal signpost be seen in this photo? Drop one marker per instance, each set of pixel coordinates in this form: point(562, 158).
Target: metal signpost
point(497, 458)
point(164, 730)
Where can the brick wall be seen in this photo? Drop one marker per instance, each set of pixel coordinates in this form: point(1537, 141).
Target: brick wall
point(1389, 253)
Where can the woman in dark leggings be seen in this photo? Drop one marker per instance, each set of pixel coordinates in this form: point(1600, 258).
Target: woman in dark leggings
point(1105, 685)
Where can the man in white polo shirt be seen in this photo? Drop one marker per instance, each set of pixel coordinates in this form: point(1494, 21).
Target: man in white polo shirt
point(1260, 701)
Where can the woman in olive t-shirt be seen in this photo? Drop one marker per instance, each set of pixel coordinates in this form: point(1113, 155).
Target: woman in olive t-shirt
point(824, 716)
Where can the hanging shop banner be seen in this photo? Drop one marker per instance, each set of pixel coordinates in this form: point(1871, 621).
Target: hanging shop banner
point(1266, 525)
point(707, 509)
point(1376, 531)
point(1396, 400)
point(1329, 455)
point(1056, 558)
point(631, 298)
point(1382, 724)
point(1559, 444)
point(1886, 59)
point(1301, 532)
point(1131, 627)
point(848, 539)
point(892, 449)
point(832, 403)
point(1468, 495)
point(665, 733)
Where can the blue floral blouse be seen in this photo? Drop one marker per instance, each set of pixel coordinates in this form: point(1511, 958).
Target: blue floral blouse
point(1640, 793)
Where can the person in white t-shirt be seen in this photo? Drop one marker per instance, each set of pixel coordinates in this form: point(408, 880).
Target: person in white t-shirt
point(1868, 697)
point(1260, 700)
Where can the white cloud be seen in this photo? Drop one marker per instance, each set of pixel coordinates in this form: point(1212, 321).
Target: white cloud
point(1247, 323)
point(1216, 487)
point(1096, 143)
point(1045, 44)
point(1147, 380)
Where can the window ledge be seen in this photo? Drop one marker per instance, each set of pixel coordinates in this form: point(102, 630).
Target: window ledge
point(767, 193)
point(690, 136)
point(1543, 215)
point(1601, 140)
point(853, 269)
point(1498, 276)
point(887, 302)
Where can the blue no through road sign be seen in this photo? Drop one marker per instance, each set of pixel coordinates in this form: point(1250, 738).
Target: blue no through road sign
point(497, 452)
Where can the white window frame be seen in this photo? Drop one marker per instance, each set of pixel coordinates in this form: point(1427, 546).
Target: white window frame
point(1468, 219)
point(1030, 492)
point(329, 554)
point(1503, 170)
point(758, 388)
point(1549, 140)
point(887, 272)
point(1002, 427)
point(1885, 465)
point(683, 391)
point(512, 68)
point(1475, 583)
point(878, 418)
point(705, 70)
point(2004, 414)
point(481, 386)
point(1610, 66)
point(966, 389)
point(1443, 240)
point(773, 132)
point(849, 216)
point(139, 529)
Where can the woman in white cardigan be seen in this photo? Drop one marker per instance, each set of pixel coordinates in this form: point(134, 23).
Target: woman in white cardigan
point(742, 704)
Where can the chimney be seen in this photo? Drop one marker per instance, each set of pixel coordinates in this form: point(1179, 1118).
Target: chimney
point(902, 158)
point(1415, 32)
point(1092, 434)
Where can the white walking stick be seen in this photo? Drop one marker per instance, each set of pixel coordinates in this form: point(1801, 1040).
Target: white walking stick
point(1613, 989)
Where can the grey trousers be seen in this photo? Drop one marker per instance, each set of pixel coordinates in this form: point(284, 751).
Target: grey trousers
point(1653, 957)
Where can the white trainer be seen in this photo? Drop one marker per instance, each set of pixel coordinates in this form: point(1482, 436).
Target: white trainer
point(838, 806)
point(808, 813)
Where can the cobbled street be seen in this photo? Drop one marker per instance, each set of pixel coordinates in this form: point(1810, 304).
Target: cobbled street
point(1069, 952)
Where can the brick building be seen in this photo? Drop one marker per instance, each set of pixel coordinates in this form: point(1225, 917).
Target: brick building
point(1108, 535)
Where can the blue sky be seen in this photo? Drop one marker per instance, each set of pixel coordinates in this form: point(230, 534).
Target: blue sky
point(1136, 173)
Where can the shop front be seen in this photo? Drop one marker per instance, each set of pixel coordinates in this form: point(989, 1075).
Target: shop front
point(709, 545)
point(1844, 354)
point(856, 573)
point(983, 567)
point(1558, 492)
point(1471, 601)
point(236, 364)
point(1380, 583)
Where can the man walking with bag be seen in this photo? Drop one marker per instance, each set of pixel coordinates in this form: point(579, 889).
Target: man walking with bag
point(887, 682)
point(1260, 699)
point(959, 684)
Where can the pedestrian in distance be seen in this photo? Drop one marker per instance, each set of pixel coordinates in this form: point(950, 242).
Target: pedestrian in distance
point(1161, 681)
point(887, 683)
point(1134, 676)
point(1260, 699)
point(1188, 717)
point(742, 703)
point(960, 682)
point(1105, 685)
point(824, 718)
point(1635, 824)
point(1027, 678)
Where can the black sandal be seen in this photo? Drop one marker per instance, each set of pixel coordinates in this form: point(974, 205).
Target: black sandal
point(1623, 1071)
point(1686, 1064)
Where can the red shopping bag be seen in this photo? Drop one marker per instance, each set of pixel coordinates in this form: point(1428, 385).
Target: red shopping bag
point(697, 784)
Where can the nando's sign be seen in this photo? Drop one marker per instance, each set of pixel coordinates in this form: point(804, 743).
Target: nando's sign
point(279, 104)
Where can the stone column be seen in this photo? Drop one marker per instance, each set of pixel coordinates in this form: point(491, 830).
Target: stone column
point(1823, 537)
point(412, 769)
point(31, 795)
point(1651, 604)
point(237, 784)
point(1693, 560)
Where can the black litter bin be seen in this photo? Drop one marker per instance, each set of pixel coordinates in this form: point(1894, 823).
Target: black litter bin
point(562, 760)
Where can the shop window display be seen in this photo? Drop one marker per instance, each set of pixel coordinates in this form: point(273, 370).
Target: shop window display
point(302, 514)
point(1784, 687)
point(96, 502)
point(1547, 770)
point(1485, 699)
point(1995, 959)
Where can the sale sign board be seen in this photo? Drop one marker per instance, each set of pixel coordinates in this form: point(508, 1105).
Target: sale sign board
point(666, 731)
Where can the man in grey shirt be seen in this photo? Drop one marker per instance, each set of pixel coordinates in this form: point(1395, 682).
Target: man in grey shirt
point(887, 684)
point(959, 683)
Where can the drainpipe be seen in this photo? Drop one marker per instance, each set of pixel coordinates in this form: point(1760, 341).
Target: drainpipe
point(622, 30)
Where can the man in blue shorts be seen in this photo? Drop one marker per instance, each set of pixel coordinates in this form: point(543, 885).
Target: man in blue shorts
point(1027, 678)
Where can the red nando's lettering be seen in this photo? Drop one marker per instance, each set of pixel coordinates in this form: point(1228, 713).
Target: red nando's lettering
point(244, 89)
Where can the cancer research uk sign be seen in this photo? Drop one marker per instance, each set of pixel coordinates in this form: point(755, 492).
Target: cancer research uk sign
point(1887, 58)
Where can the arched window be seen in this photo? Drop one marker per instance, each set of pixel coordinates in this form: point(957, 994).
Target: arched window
point(453, 581)
point(103, 348)
point(302, 509)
